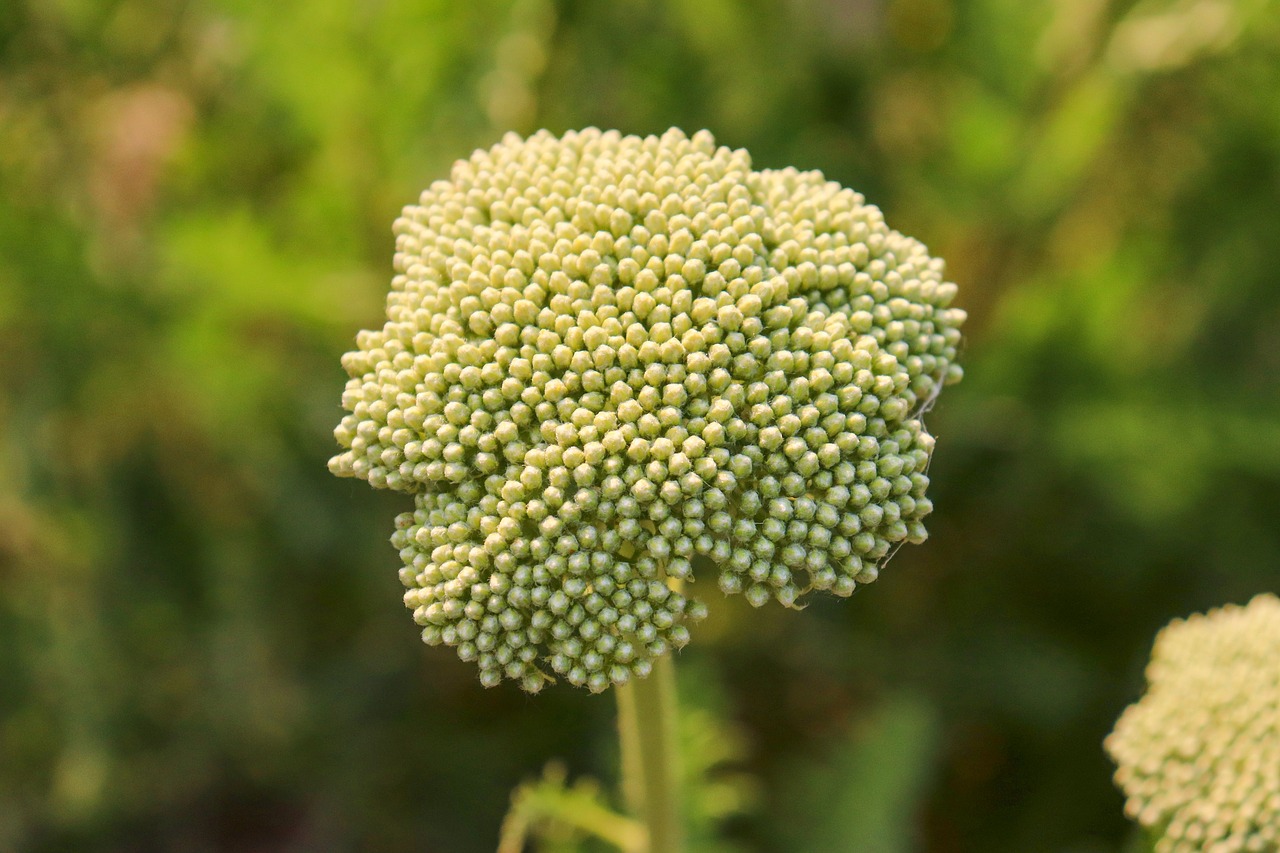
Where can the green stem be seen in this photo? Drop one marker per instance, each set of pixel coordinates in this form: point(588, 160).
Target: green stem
point(651, 755)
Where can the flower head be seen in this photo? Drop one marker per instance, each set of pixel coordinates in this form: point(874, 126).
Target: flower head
point(1199, 755)
point(610, 361)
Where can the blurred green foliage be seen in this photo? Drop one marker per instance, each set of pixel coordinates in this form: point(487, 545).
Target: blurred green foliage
point(203, 643)
point(870, 784)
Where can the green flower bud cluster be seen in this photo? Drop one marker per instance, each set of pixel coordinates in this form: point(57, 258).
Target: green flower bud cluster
point(1199, 755)
point(610, 360)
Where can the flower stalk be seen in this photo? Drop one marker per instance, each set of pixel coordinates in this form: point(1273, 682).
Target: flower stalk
point(647, 719)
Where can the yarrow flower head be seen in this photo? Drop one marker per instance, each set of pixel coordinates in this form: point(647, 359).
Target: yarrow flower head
point(611, 362)
point(1199, 755)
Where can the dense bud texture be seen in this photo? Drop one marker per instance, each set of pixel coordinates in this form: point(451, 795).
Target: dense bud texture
point(1199, 755)
point(612, 360)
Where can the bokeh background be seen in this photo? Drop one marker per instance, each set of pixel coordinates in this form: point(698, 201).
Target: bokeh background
point(202, 644)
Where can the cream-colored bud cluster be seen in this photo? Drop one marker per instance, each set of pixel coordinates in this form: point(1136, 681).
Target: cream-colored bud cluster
point(1199, 755)
point(610, 360)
